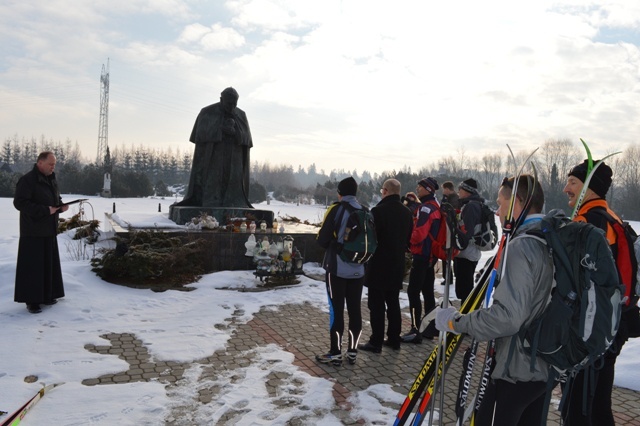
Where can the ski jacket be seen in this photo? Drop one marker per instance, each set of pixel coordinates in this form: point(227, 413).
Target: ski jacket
point(331, 234)
point(586, 214)
point(470, 218)
point(425, 222)
point(520, 297)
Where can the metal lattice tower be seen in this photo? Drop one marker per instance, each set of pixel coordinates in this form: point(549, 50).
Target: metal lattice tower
point(103, 127)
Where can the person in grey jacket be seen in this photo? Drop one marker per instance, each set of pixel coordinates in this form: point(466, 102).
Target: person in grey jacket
point(344, 279)
point(515, 395)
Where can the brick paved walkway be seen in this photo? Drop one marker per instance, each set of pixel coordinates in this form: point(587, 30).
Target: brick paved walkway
point(302, 331)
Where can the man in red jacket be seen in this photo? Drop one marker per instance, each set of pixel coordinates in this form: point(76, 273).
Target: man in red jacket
point(421, 279)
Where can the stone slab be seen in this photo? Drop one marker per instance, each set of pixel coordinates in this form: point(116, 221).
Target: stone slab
point(224, 215)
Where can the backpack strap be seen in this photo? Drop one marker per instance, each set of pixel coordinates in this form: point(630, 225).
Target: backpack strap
point(604, 212)
point(346, 207)
point(551, 383)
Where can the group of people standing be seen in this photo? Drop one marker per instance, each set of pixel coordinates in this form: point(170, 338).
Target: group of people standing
point(403, 224)
point(517, 392)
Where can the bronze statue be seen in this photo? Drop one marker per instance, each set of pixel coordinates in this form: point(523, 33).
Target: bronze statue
point(220, 170)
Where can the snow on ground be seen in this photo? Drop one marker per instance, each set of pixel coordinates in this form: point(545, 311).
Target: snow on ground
point(175, 325)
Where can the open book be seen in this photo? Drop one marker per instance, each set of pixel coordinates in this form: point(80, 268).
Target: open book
point(73, 202)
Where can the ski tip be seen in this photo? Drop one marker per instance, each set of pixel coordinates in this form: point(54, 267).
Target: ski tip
point(50, 386)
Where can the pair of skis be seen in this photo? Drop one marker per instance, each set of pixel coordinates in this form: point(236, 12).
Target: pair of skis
point(422, 387)
point(16, 418)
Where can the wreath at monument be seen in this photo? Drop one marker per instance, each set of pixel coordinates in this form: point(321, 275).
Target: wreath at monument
point(150, 259)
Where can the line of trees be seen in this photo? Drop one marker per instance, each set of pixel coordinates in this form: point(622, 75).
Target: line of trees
point(140, 171)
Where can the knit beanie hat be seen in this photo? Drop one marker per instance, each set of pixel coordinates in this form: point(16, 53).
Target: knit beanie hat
point(601, 180)
point(470, 185)
point(347, 186)
point(429, 184)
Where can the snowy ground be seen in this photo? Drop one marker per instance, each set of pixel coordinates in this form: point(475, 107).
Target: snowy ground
point(175, 325)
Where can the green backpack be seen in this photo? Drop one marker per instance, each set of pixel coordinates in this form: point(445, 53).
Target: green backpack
point(360, 240)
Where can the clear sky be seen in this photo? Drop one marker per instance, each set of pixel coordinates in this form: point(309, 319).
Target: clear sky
point(372, 85)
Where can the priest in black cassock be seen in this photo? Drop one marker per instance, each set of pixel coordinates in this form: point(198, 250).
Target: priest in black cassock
point(38, 272)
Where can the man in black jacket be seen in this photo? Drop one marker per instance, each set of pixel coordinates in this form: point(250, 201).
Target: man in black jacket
point(38, 272)
point(386, 269)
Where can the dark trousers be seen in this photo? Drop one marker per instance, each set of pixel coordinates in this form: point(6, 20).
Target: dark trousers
point(464, 270)
point(512, 404)
point(339, 291)
point(598, 398)
point(380, 300)
point(421, 280)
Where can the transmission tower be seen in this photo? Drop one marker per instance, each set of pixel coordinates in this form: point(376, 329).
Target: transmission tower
point(103, 127)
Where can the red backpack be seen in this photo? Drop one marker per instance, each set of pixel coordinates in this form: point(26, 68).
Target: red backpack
point(626, 262)
point(439, 243)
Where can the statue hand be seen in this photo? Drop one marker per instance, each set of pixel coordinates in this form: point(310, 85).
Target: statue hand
point(229, 126)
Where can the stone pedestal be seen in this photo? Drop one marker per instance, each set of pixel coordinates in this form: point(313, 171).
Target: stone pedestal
point(224, 215)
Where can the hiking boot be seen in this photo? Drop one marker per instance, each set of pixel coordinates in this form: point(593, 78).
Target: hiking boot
point(50, 302)
point(393, 345)
point(328, 358)
point(412, 337)
point(33, 308)
point(369, 348)
point(352, 356)
point(431, 332)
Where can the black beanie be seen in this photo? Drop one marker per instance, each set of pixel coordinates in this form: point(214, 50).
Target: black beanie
point(601, 180)
point(429, 184)
point(470, 185)
point(347, 186)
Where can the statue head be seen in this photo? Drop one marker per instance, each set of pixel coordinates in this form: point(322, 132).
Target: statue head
point(229, 99)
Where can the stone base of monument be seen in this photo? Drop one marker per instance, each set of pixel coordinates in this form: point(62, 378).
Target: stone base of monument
point(226, 248)
point(224, 215)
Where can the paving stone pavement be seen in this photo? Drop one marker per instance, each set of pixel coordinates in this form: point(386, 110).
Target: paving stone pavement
point(303, 331)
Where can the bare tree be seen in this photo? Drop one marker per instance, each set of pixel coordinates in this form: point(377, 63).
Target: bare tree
point(490, 168)
point(627, 179)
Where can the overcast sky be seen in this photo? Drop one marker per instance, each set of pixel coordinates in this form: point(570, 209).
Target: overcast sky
point(372, 85)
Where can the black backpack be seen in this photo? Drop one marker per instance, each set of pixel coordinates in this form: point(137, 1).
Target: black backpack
point(360, 240)
point(487, 237)
point(582, 317)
